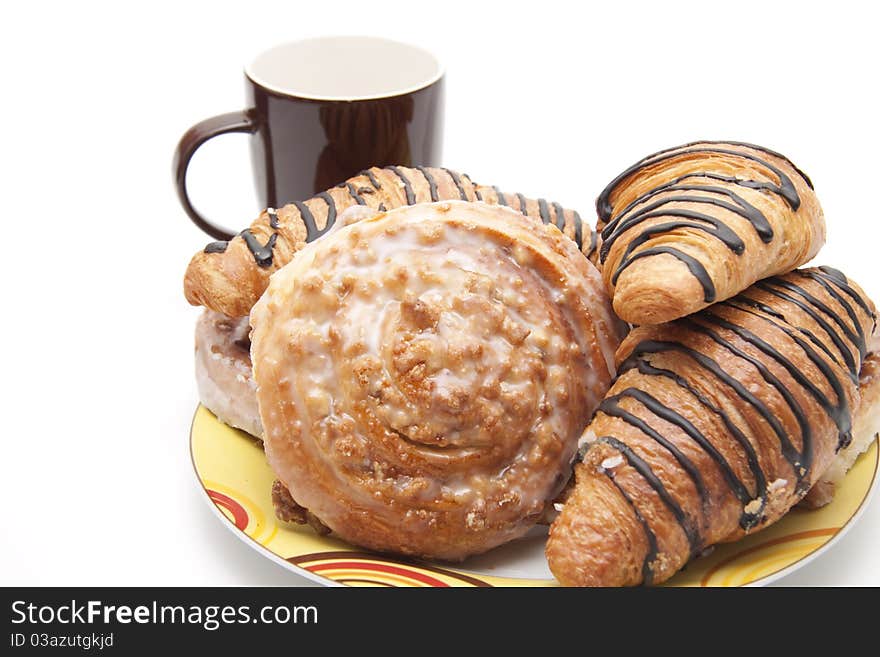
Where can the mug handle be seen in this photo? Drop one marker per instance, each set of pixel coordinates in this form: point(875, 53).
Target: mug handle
point(241, 121)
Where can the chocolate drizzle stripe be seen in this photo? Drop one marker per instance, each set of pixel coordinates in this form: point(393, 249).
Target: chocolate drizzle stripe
point(747, 519)
point(544, 211)
point(407, 185)
point(382, 208)
point(641, 466)
point(652, 404)
point(742, 207)
point(560, 216)
point(308, 220)
point(856, 337)
point(457, 180)
point(715, 228)
point(372, 177)
point(432, 184)
point(837, 277)
point(741, 300)
point(523, 207)
point(695, 266)
point(216, 247)
point(839, 413)
point(739, 182)
point(262, 252)
point(711, 366)
point(652, 212)
point(801, 460)
point(579, 234)
point(500, 195)
point(610, 406)
point(651, 555)
point(810, 300)
point(352, 191)
point(477, 194)
point(623, 223)
point(766, 150)
point(331, 211)
point(784, 188)
point(862, 344)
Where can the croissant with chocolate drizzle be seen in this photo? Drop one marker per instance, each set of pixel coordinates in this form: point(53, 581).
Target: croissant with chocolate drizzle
point(229, 277)
point(699, 223)
point(716, 426)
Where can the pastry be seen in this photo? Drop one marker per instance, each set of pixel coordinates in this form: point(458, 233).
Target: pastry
point(229, 277)
point(715, 427)
point(866, 427)
point(423, 376)
point(223, 359)
point(223, 371)
point(699, 223)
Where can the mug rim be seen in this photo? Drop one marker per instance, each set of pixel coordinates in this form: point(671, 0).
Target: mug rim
point(440, 71)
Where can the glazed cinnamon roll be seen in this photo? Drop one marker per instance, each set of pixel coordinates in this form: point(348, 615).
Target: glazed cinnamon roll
point(423, 375)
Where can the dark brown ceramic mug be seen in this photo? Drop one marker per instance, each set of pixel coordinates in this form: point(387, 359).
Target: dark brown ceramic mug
point(321, 110)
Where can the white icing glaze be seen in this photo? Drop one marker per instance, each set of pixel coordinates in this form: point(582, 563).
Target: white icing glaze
point(431, 370)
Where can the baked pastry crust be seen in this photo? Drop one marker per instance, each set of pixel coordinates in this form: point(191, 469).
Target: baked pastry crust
point(715, 427)
point(699, 223)
point(866, 428)
point(229, 277)
point(423, 375)
point(223, 371)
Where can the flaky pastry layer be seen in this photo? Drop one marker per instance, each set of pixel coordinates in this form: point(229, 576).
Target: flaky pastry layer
point(715, 427)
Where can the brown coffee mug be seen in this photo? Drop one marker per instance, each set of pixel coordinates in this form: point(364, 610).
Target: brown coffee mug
point(322, 110)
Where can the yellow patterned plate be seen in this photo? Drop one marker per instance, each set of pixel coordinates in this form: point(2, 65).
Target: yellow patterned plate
point(237, 481)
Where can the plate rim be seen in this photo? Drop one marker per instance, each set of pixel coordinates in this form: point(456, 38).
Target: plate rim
point(326, 581)
point(242, 536)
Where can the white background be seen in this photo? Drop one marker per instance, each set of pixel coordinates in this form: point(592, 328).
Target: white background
point(95, 476)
